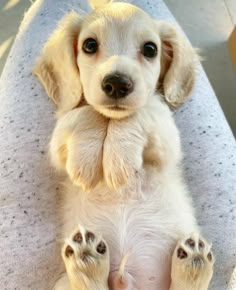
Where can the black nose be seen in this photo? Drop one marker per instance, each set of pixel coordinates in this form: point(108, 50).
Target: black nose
point(117, 86)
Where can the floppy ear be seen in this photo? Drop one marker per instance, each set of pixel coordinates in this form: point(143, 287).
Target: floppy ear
point(178, 64)
point(57, 66)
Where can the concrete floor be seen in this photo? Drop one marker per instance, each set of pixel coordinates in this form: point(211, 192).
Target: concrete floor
point(207, 23)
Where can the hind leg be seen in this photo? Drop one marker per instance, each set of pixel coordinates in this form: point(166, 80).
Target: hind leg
point(86, 258)
point(192, 264)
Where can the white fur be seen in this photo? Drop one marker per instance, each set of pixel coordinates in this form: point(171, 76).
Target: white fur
point(124, 165)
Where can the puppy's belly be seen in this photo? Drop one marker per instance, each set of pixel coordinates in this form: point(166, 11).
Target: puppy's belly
point(145, 274)
point(148, 262)
point(141, 228)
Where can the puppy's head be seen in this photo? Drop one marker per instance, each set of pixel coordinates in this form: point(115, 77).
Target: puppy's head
point(115, 58)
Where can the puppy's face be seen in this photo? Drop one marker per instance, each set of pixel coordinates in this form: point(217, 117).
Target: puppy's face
point(118, 55)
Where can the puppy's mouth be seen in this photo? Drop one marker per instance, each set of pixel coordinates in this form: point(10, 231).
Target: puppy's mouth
point(114, 111)
point(116, 108)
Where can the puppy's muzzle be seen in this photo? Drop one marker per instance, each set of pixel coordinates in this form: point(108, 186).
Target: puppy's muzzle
point(117, 86)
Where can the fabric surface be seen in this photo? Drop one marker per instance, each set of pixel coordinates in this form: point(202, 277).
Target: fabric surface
point(232, 282)
point(29, 224)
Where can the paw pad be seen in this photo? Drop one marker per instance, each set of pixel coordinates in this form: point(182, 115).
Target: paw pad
point(89, 236)
point(197, 261)
point(181, 254)
point(190, 243)
point(101, 248)
point(78, 238)
point(209, 256)
point(201, 244)
point(69, 251)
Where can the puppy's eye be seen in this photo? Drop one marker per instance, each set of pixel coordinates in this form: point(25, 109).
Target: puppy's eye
point(90, 45)
point(149, 50)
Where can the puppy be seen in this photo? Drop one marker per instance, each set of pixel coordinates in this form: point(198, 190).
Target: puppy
point(128, 217)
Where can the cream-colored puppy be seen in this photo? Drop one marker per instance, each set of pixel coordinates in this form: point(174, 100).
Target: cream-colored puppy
point(110, 74)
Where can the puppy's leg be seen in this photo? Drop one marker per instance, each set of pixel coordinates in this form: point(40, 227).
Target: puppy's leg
point(86, 258)
point(123, 150)
point(192, 264)
point(76, 146)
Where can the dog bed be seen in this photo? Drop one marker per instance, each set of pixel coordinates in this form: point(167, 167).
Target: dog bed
point(29, 224)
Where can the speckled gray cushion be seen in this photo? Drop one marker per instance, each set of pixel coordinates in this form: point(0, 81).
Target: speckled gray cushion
point(29, 252)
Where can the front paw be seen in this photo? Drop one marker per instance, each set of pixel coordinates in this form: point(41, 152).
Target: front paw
point(77, 146)
point(122, 152)
point(192, 264)
point(84, 164)
point(118, 169)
